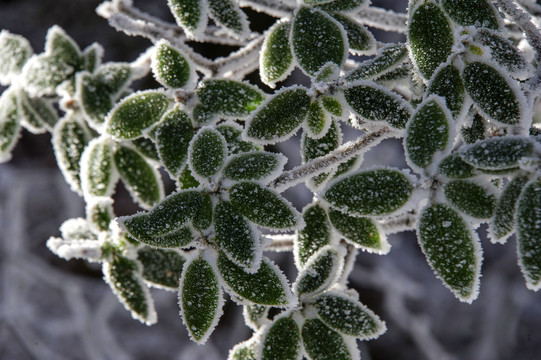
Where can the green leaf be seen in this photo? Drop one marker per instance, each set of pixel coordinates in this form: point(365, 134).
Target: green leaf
point(362, 232)
point(227, 14)
point(98, 173)
point(475, 132)
point(77, 229)
point(38, 115)
point(179, 238)
point(263, 206)
point(314, 236)
point(170, 215)
point(317, 39)
point(114, 77)
point(276, 59)
point(322, 343)
point(100, 213)
point(242, 351)
point(332, 106)
point(200, 299)
point(124, 277)
point(430, 38)
point(146, 147)
point(207, 153)
point(268, 286)
point(495, 95)
point(10, 126)
point(314, 148)
point(387, 59)
point(226, 98)
point(451, 249)
point(141, 180)
point(479, 13)
point(62, 47)
point(42, 74)
point(270, 124)
point(327, 73)
point(375, 103)
point(171, 68)
point(320, 271)
point(528, 228)
point(448, 84)
point(202, 219)
point(96, 101)
point(497, 153)
point(186, 180)
point(428, 132)
point(399, 75)
point(316, 120)
point(344, 5)
point(190, 14)
point(173, 136)
point(471, 198)
point(15, 51)
point(360, 40)
point(504, 53)
point(370, 192)
point(232, 133)
point(454, 167)
point(161, 267)
point(255, 316)
point(348, 316)
point(259, 166)
point(92, 56)
point(282, 340)
point(136, 113)
point(503, 223)
point(237, 238)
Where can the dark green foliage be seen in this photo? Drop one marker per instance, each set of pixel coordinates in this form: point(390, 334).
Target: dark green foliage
point(253, 166)
point(360, 39)
point(207, 153)
point(448, 84)
point(282, 341)
point(503, 223)
point(323, 343)
point(361, 231)
point(170, 67)
point(161, 267)
point(315, 235)
point(276, 59)
point(497, 153)
point(319, 272)
point(387, 59)
point(471, 198)
point(173, 136)
point(454, 167)
point(479, 13)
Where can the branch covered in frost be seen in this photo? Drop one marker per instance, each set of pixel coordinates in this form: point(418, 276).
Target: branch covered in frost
point(279, 242)
point(273, 8)
point(383, 19)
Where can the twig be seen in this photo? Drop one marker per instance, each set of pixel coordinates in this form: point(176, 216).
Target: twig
point(382, 19)
point(280, 243)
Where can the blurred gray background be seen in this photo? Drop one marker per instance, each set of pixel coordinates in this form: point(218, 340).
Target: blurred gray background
point(53, 309)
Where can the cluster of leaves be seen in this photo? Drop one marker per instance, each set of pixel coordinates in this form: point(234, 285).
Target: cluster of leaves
point(459, 94)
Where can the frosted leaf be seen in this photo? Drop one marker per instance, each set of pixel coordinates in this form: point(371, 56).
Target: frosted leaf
point(347, 166)
point(332, 106)
point(271, 124)
point(475, 132)
point(203, 217)
point(77, 229)
point(255, 316)
point(361, 41)
point(96, 101)
point(200, 299)
point(136, 113)
point(170, 215)
point(454, 167)
point(505, 53)
point(430, 38)
point(402, 74)
point(276, 59)
point(387, 59)
point(263, 206)
point(316, 2)
point(232, 133)
point(427, 133)
point(375, 103)
point(99, 213)
point(528, 229)
point(370, 192)
point(61, 46)
point(316, 121)
point(38, 115)
point(141, 179)
point(92, 56)
point(161, 268)
point(15, 50)
point(124, 277)
point(42, 74)
point(114, 77)
point(207, 153)
point(497, 95)
point(362, 232)
point(89, 250)
point(344, 5)
point(179, 238)
point(314, 148)
point(451, 249)
point(229, 98)
point(327, 73)
point(260, 166)
point(497, 153)
point(320, 271)
point(267, 286)
point(317, 39)
point(190, 14)
point(98, 173)
point(281, 341)
point(171, 68)
point(186, 180)
point(503, 223)
point(322, 343)
point(447, 83)
point(237, 238)
point(479, 13)
point(471, 198)
point(146, 147)
point(348, 316)
point(314, 236)
point(227, 14)
point(10, 126)
point(173, 136)
point(242, 351)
